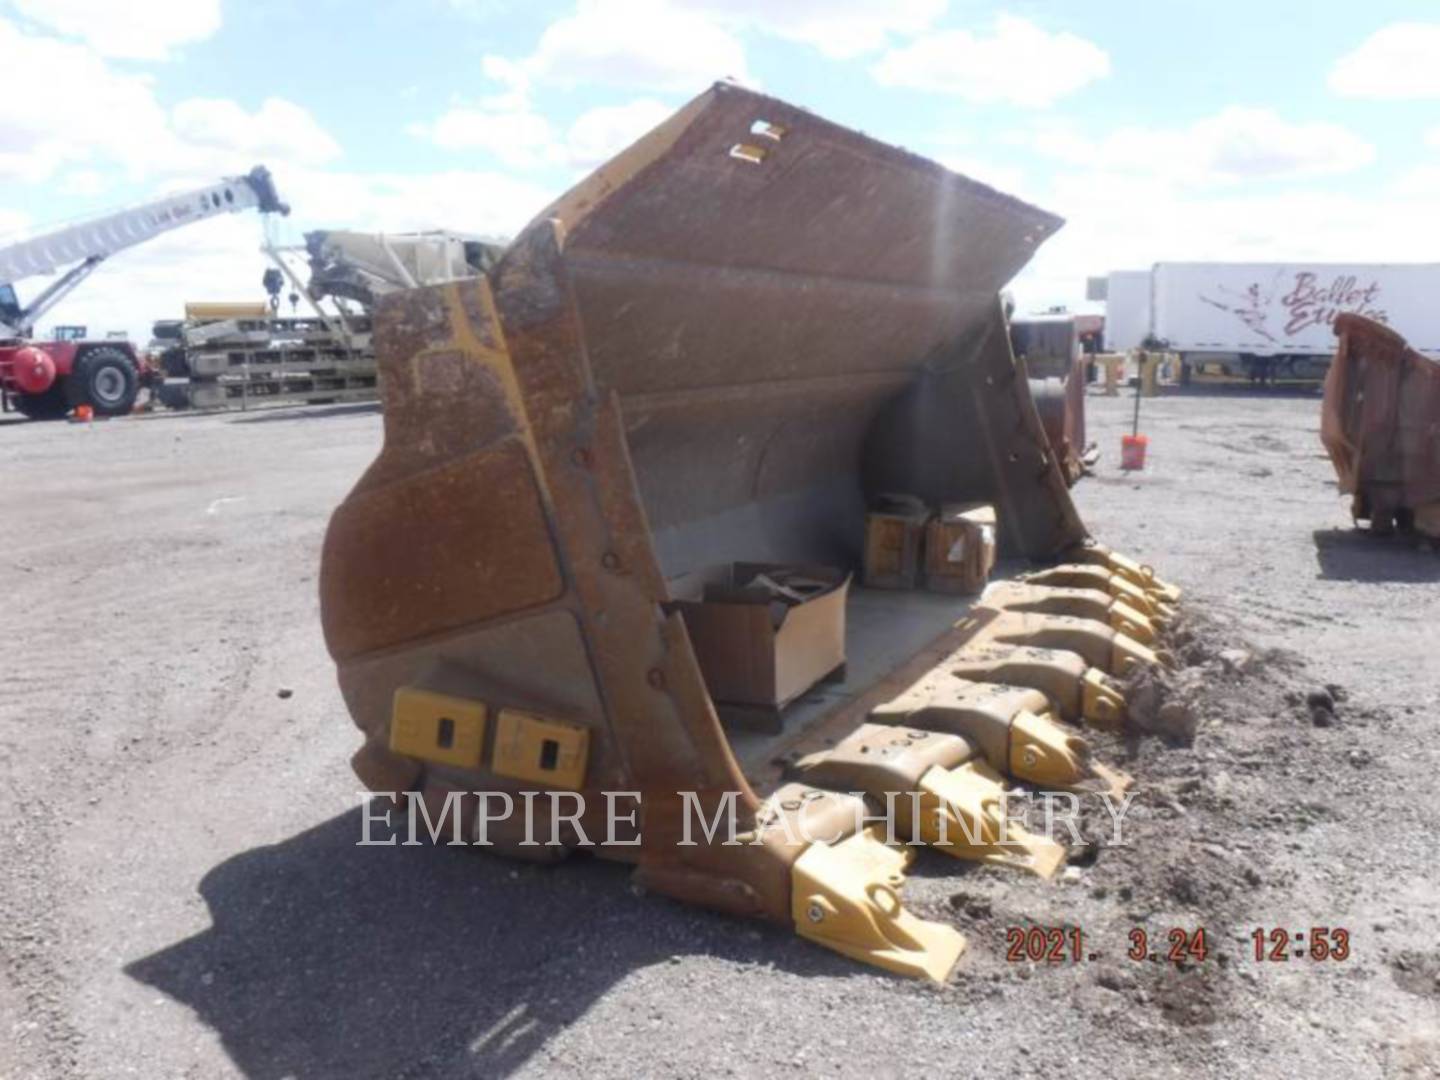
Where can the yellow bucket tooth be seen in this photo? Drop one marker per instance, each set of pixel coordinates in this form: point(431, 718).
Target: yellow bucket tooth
point(1132, 623)
point(1078, 691)
point(1031, 598)
point(1045, 755)
point(962, 813)
point(939, 789)
point(1102, 705)
point(1102, 579)
point(1109, 650)
point(846, 896)
point(1134, 572)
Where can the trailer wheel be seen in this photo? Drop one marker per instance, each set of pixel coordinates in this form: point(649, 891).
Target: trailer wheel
point(51, 405)
point(106, 380)
point(174, 363)
point(174, 395)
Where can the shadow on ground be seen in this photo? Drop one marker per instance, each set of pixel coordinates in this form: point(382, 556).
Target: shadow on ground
point(1232, 390)
point(320, 412)
point(1354, 555)
point(326, 959)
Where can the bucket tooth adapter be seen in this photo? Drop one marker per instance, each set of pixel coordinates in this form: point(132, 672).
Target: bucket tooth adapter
point(1093, 604)
point(1097, 578)
point(1102, 647)
point(1132, 571)
point(1012, 727)
point(936, 790)
point(720, 347)
point(1079, 692)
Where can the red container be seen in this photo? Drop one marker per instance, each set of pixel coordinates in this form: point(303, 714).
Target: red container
point(1132, 452)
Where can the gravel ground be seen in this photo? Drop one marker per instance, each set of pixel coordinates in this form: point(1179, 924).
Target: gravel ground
point(180, 894)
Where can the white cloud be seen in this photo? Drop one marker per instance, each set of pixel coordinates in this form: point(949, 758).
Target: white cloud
point(1237, 143)
point(1244, 142)
point(279, 129)
point(630, 43)
point(599, 134)
point(1396, 63)
point(1117, 220)
point(1432, 138)
point(134, 31)
point(13, 223)
point(520, 138)
point(1019, 63)
point(840, 29)
point(80, 111)
point(85, 183)
point(97, 119)
point(1006, 178)
point(1419, 182)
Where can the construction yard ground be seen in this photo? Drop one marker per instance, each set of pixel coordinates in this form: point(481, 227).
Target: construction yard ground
point(181, 894)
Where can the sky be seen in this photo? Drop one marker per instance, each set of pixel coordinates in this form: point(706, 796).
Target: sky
point(1176, 130)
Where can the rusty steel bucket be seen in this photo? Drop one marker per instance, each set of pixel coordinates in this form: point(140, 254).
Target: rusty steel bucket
point(1380, 423)
point(720, 346)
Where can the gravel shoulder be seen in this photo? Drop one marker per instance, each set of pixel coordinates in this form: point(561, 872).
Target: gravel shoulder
point(182, 895)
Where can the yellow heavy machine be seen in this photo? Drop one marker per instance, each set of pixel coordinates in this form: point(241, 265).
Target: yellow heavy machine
point(724, 345)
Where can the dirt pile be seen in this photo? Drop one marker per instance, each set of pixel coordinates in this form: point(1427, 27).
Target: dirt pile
point(1167, 902)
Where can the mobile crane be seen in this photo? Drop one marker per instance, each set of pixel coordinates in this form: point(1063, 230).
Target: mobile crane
point(46, 379)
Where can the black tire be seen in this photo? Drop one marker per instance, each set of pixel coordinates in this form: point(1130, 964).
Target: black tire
point(175, 363)
point(105, 379)
point(51, 405)
point(174, 395)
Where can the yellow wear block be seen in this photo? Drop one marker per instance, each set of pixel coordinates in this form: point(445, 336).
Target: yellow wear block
point(437, 727)
point(540, 750)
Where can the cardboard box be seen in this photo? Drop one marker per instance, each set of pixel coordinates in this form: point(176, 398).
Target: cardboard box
point(960, 548)
point(895, 543)
point(759, 645)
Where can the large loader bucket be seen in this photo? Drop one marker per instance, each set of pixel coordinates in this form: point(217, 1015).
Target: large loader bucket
point(720, 347)
point(1380, 424)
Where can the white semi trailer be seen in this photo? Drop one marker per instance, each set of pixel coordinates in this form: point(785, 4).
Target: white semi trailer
point(1265, 319)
